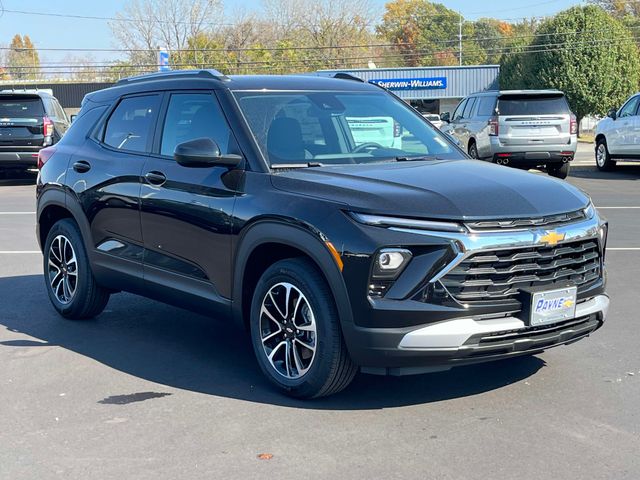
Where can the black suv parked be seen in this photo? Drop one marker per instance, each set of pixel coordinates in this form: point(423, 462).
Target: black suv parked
point(325, 215)
point(29, 121)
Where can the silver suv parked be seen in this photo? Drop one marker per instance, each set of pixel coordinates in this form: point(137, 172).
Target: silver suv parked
point(520, 128)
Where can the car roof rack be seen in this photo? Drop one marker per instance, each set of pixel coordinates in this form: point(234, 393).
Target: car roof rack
point(31, 90)
point(339, 75)
point(206, 73)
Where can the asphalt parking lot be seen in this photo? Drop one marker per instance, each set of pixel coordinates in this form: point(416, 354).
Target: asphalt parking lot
point(151, 391)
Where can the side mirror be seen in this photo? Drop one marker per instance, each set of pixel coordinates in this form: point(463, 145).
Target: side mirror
point(73, 118)
point(445, 117)
point(613, 113)
point(202, 153)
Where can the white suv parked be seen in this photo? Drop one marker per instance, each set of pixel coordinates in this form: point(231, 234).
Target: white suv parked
point(618, 135)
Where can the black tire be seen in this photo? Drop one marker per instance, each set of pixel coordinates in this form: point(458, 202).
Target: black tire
point(331, 368)
point(88, 298)
point(473, 150)
point(603, 159)
point(559, 170)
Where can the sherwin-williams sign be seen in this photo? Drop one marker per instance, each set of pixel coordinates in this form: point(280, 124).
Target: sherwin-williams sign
point(411, 83)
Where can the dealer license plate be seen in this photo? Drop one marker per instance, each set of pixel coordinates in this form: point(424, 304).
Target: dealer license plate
point(553, 306)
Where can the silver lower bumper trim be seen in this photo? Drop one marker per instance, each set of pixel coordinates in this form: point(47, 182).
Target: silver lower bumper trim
point(452, 334)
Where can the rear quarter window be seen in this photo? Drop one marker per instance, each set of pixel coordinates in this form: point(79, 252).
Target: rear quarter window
point(486, 106)
point(533, 105)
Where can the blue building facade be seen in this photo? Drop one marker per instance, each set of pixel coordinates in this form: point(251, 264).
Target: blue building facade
point(432, 89)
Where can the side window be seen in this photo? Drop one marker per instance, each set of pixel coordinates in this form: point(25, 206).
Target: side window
point(486, 106)
point(130, 125)
point(457, 114)
point(194, 115)
point(60, 113)
point(310, 126)
point(629, 108)
point(469, 107)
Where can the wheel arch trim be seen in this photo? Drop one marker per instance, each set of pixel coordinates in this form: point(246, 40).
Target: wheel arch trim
point(308, 241)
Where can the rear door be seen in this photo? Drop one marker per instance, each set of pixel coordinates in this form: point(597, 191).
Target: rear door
point(21, 122)
point(104, 175)
point(534, 119)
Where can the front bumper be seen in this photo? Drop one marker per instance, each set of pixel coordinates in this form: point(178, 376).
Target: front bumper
point(466, 340)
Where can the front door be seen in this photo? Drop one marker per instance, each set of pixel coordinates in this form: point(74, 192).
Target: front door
point(185, 211)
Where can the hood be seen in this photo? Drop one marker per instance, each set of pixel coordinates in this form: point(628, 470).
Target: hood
point(448, 189)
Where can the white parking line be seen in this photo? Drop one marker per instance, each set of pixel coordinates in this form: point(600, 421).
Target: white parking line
point(612, 208)
point(21, 252)
point(623, 249)
point(17, 213)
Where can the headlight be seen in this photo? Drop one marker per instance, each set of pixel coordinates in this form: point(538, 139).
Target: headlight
point(399, 222)
point(589, 211)
point(603, 232)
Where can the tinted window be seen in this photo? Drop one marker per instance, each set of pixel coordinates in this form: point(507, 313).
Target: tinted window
point(469, 108)
point(458, 111)
point(194, 115)
point(338, 128)
point(532, 105)
point(131, 123)
point(629, 108)
point(17, 106)
point(486, 106)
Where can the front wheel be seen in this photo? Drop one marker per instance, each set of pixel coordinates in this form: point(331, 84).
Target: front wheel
point(72, 289)
point(559, 170)
point(603, 158)
point(295, 331)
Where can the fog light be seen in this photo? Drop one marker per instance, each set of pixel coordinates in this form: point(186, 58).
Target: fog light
point(390, 262)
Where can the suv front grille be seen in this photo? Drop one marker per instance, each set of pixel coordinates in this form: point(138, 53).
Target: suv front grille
point(548, 221)
point(500, 274)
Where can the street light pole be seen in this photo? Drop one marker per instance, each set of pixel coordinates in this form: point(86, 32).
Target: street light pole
point(460, 37)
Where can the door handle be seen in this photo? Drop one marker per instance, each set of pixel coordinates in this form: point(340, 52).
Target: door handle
point(155, 178)
point(82, 166)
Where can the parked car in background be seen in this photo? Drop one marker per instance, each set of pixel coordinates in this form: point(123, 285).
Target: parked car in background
point(618, 135)
point(520, 128)
point(249, 199)
point(384, 131)
point(434, 118)
point(29, 121)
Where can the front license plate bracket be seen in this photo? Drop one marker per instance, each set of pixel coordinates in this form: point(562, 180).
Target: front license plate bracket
point(545, 305)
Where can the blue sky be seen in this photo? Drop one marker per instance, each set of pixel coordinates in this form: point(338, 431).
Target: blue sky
point(52, 32)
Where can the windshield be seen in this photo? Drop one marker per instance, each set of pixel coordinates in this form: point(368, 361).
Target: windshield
point(533, 105)
point(335, 128)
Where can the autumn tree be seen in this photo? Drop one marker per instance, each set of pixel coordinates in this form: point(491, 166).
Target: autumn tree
point(584, 52)
point(23, 62)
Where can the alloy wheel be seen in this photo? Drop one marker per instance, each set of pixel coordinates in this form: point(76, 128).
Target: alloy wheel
point(601, 155)
point(62, 269)
point(288, 330)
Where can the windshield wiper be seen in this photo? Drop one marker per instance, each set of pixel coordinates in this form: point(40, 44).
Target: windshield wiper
point(417, 158)
point(280, 166)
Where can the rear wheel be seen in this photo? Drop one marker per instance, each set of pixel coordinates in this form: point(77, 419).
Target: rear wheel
point(603, 159)
point(295, 331)
point(72, 289)
point(559, 170)
point(473, 150)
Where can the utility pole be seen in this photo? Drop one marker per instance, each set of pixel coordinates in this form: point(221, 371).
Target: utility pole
point(460, 38)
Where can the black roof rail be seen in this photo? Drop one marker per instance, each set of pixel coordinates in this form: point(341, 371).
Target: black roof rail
point(340, 75)
point(210, 73)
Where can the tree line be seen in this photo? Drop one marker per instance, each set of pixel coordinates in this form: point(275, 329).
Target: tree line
point(590, 52)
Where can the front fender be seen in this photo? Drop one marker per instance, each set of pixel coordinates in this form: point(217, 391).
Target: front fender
point(298, 236)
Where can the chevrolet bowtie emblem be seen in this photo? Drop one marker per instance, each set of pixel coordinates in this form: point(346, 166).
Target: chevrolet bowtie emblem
point(551, 238)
